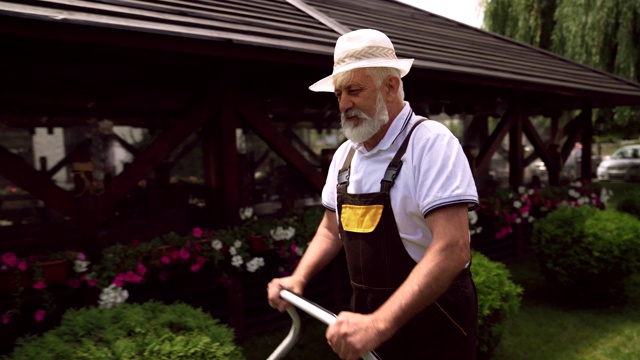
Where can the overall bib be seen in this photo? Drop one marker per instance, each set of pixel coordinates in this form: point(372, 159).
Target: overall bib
point(379, 263)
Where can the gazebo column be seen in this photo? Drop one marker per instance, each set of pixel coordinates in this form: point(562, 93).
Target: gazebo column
point(587, 141)
point(516, 157)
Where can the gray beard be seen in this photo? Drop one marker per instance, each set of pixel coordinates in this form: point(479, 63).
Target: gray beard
point(369, 126)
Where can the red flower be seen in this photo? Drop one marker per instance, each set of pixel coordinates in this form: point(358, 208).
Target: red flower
point(197, 232)
point(6, 317)
point(39, 285)
point(39, 315)
point(10, 259)
point(22, 265)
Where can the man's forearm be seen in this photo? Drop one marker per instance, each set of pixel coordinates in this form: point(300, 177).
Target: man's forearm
point(323, 248)
point(431, 277)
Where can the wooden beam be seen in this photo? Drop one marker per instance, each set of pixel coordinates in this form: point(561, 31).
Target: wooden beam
point(79, 148)
point(573, 129)
point(536, 141)
point(516, 151)
point(493, 142)
point(37, 183)
point(279, 143)
point(296, 139)
point(155, 154)
point(587, 140)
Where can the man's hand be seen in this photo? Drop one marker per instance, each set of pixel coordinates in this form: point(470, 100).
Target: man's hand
point(273, 291)
point(353, 335)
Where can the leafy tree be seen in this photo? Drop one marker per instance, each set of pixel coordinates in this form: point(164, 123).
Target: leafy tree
point(604, 34)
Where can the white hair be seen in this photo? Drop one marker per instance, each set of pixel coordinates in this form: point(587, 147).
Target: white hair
point(378, 74)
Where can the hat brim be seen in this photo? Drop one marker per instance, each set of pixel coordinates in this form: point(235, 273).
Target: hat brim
point(326, 84)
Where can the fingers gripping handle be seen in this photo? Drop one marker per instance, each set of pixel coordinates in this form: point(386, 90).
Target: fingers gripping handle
point(312, 309)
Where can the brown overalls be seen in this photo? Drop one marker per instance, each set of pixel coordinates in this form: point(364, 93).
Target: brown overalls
point(379, 263)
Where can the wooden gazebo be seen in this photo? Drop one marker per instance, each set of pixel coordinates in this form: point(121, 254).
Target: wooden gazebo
point(178, 66)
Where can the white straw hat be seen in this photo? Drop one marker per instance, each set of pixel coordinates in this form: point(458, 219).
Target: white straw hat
point(360, 49)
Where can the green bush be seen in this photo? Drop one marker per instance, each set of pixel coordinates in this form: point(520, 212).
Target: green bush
point(132, 331)
point(498, 299)
point(587, 253)
point(630, 204)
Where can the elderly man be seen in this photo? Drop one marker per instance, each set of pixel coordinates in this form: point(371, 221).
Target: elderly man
point(397, 197)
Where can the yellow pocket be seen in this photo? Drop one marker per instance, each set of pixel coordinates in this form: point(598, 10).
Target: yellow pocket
point(360, 218)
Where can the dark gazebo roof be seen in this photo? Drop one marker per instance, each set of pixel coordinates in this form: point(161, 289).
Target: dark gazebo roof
point(445, 50)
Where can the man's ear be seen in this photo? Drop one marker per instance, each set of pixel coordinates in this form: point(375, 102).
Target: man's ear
point(392, 85)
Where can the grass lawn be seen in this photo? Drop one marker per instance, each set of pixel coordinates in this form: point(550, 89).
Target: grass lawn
point(546, 329)
point(543, 329)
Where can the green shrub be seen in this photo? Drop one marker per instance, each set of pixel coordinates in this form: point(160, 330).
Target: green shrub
point(586, 253)
point(132, 331)
point(630, 204)
point(498, 299)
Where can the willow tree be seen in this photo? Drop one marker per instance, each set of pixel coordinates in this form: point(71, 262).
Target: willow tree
point(604, 34)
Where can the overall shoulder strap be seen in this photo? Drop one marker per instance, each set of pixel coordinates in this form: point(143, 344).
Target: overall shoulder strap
point(395, 165)
point(343, 173)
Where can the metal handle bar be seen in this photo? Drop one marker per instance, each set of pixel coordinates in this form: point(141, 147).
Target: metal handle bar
point(313, 309)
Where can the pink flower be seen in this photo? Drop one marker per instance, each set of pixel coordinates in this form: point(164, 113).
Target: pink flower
point(73, 283)
point(195, 267)
point(10, 259)
point(39, 285)
point(130, 276)
point(197, 232)
point(141, 270)
point(92, 282)
point(184, 253)
point(6, 317)
point(175, 254)
point(81, 256)
point(39, 315)
point(119, 280)
point(165, 260)
point(200, 260)
point(22, 265)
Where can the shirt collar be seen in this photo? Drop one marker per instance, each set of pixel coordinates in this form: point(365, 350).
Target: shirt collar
point(397, 126)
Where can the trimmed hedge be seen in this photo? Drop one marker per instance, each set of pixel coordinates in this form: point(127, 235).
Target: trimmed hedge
point(498, 299)
point(132, 331)
point(587, 253)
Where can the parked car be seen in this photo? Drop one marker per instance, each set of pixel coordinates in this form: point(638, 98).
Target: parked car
point(623, 164)
point(572, 167)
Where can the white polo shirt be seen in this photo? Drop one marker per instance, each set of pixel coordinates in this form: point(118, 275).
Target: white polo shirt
point(435, 173)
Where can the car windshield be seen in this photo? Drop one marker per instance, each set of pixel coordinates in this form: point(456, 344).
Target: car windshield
point(627, 153)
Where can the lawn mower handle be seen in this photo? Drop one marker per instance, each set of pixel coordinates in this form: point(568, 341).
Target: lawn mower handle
point(312, 309)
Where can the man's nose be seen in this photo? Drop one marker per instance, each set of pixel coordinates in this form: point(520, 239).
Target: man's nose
point(345, 103)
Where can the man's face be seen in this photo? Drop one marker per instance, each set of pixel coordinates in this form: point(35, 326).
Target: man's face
point(362, 107)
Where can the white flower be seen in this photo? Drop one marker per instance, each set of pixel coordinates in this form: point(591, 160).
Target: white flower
point(233, 251)
point(574, 194)
point(216, 244)
point(524, 214)
point(517, 204)
point(531, 218)
point(521, 189)
point(605, 195)
point(246, 213)
point(576, 184)
point(473, 217)
point(112, 296)
point(80, 266)
point(254, 264)
point(583, 200)
point(299, 250)
point(280, 233)
point(236, 260)
point(237, 244)
point(518, 220)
